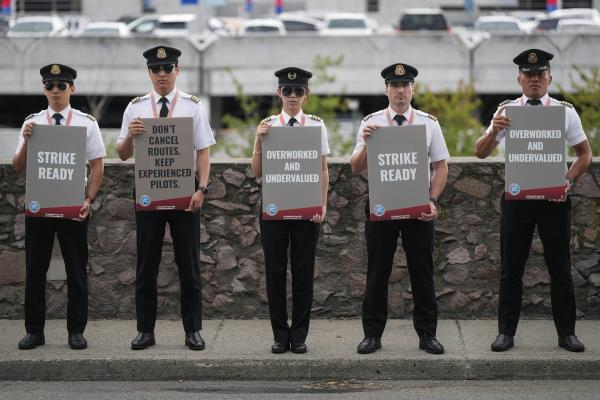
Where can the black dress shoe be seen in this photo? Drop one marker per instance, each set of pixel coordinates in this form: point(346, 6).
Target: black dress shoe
point(194, 341)
point(31, 341)
point(143, 341)
point(503, 342)
point(280, 347)
point(369, 345)
point(77, 341)
point(299, 348)
point(571, 343)
point(430, 344)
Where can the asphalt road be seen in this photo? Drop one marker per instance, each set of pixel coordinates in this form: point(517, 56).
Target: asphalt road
point(278, 390)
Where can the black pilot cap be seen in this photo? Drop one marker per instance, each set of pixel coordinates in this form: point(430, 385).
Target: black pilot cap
point(292, 76)
point(58, 72)
point(162, 55)
point(533, 60)
point(399, 73)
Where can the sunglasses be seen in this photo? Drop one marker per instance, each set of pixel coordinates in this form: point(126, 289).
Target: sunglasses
point(50, 85)
point(157, 68)
point(287, 91)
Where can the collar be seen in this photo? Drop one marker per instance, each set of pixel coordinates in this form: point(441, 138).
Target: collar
point(169, 96)
point(543, 99)
point(394, 113)
point(64, 112)
point(286, 116)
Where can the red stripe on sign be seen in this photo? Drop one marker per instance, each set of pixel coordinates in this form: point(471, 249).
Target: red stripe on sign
point(180, 203)
point(55, 212)
point(402, 213)
point(551, 193)
point(294, 214)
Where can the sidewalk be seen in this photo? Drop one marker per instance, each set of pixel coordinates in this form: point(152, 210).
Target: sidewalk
point(240, 349)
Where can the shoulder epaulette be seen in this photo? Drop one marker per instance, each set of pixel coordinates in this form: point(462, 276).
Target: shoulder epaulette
point(366, 118)
point(78, 112)
point(272, 117)
point(566, 104)
point(314, 117)
point(135, 100)
point(193, 98)
point(30, 116)
point(423, 113)
point(505, 102)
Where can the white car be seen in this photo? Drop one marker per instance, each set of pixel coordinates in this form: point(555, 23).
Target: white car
point(115, 29)
point(347, 24)
point(498, 24)
point(39, 26)
point(577, 25)
point(269, 26)
point(300, 23)
point(163, 25)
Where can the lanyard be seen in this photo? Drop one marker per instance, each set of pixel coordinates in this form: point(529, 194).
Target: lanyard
point(523, 103)
point(391, 121)
point(282, 120)
point(69, 117)
point(171, 109)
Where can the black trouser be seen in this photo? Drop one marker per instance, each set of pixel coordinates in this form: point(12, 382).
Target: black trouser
point(302, 237)
point(39, 241)
point(417, 241)
point(553, 221)
point(185, 231)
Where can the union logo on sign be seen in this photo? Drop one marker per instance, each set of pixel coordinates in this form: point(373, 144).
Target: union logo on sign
point(271, 209)
point(379, 210)
point(514, 189)
point(34, 206)
point(145, 200)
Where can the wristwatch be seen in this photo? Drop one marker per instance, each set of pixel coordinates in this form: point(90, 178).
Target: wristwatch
point(87, 196)
point(203, 189)
point(434, 201)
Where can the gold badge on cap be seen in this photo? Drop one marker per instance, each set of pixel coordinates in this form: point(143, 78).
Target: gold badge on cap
point(291, 76)
point(532, 58)
point(161, 53)
point(55, 70)
point(399, 70)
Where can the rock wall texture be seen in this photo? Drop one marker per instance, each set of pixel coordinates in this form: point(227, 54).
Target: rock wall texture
point(466, 249)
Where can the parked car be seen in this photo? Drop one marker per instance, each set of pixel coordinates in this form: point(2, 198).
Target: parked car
point(163, 25)
point(115, 29)
point(498, 23)
point(577, 25)
point(4, 25)
point(299, 23)
point(262, 25)
point(428, 19)
point(38, 26)
point(347, 24)
point(550, 22)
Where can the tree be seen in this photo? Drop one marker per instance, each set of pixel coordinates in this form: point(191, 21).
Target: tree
point(456, 112)
point(586, 97)
point(241, 143)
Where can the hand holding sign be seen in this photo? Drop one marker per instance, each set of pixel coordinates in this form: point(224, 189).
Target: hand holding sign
point(136, 127)
point(368, 132)
point(27, 131)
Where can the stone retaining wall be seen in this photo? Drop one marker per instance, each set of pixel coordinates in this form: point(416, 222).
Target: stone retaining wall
point(466, 250)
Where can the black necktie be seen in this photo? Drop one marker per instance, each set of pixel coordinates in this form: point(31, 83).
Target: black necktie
point(57, 117)
point(399, 119)
point(164, 111)
point(292, 121)
point(534, 102)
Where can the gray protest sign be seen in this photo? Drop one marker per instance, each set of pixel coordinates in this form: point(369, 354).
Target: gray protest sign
point(535, 153)
point(164, 164)
point(291, 180)
point(55, 171)
point(398, 165)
